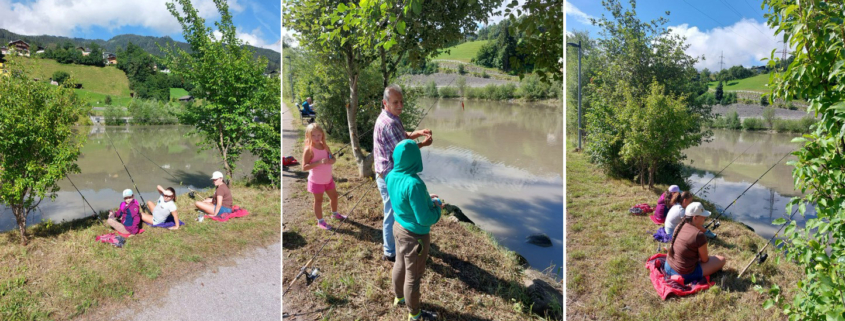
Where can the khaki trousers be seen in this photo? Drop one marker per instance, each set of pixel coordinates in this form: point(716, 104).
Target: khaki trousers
point(411, 253)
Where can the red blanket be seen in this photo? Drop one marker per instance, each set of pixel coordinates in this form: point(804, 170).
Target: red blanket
point(666, 286)
point(237, 212)
point(656, 220)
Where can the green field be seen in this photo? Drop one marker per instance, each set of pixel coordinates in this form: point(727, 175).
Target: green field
point(99, 100)
point(463, 52)
point(756, 83)
point(175, 93)
point(103, 80)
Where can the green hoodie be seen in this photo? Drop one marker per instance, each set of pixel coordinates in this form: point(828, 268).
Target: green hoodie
point(412, 205)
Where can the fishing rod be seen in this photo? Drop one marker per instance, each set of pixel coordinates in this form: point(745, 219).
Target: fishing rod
point(96, 217)
point(127, 171)
point(191, 194)
point(305, 267)
point(760, 257)
point(715, 220)
point(415, 127)
point(723, 169)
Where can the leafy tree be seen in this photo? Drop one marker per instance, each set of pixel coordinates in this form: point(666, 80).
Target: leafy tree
point(39, 145)
point(461, 83)
point(769, 116)
point(266, 138)
point(113, 114)
point(815, 31)
point(60, 76)
point(540, 50)
point(227, 77)
point(659, 125)
point(108, 100)
point(705, 73)
point(720, 93)
point(486, 55)
point(632, 54)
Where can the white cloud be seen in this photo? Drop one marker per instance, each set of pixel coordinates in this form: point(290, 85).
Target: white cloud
point(62, 17)
point(501, 16)
point(291, 35)
point(571, 10)
point(254, 38)
point(743, 43)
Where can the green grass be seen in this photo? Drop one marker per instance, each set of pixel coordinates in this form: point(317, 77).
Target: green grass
point(99, 100)
point(64, 272)
point(756, 83)
point(178, 92)
point(103, 80)
point(607, 249)
point(463, 52)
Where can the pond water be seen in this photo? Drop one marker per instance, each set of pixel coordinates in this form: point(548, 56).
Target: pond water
point(102, 178)
point(502, 164)
point(766, 200)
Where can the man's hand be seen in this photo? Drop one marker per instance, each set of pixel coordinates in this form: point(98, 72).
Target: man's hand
point(427, 141)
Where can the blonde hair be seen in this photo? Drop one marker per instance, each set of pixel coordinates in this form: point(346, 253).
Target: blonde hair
point(308, 130)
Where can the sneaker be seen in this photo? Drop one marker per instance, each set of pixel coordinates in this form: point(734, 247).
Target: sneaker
point(323, 225)
point(424, 315)
point(389, 258)
point(398, 301)
point(337, 216)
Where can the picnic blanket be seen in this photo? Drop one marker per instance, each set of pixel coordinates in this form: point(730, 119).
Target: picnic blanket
point(289, 161)
point(169, 222)
point(236, 212)
point(657, 220)
point(661, 236)
point(111, 238)
point(641, 209)
point(674, 285)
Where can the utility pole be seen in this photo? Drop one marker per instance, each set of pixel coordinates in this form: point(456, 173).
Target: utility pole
point(721, 61)
point(783, 56)
point(578, 45)
point(290, 79)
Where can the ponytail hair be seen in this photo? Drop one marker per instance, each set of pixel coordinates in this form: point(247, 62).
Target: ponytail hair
point(679, 197)
point(687, 219)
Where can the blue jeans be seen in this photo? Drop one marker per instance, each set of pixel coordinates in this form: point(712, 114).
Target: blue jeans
point(696, 274)
point(224, 210)
point(387, 225)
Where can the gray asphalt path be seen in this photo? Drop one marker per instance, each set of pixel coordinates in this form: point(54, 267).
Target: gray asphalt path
point(249, 290)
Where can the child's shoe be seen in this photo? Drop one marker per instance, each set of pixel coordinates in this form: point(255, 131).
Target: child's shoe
point(322, 224)
point(337, 216)
point(423, 315)
point(398, 301)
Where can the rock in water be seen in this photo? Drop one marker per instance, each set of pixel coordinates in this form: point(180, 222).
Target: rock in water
point(539, 239)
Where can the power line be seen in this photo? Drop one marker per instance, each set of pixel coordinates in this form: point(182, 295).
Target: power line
point(719, 23)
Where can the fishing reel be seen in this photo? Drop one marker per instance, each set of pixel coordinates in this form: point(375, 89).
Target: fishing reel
point(716, 223)
point(311, 276)
point(192, 195)
point(761, 257)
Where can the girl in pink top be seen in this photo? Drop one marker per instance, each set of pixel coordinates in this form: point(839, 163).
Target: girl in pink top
point(317, 159)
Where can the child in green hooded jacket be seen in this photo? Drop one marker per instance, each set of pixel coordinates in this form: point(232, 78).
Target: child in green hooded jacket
point(416, 211)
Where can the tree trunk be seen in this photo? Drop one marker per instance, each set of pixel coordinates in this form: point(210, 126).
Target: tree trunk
point(651, 171)
point(20, 215)
point(223, 153)
point(365, 164)
point(384, 74)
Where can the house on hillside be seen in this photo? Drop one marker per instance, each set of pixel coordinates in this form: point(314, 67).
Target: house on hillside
point(4, 50)
point(40, 50)
point(19, 46)
point(187, 98)
point(109, 58)
point(84, 51)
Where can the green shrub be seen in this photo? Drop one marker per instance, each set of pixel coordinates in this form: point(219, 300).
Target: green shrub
point(448, 92)
point(764, 100)
point(484, 74)
point(112, 115)
point(769, 116)
point(461, 69)
point(532, 89)
point(430, 68)
point(60, 76)
point(108, 100)
point(431, 89)
point(805, 123)
point(732, 120)
point(752, 123)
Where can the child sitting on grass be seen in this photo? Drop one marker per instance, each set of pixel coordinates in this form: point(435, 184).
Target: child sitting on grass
point(317, 160)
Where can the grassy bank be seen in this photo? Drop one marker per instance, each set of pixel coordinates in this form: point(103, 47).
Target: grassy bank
point(468, 277)
point(463, 52)
point(732, 121)
point(529, 89)
point(103, 80)
point(755, 83)
point(64, 272)
point(607, 249)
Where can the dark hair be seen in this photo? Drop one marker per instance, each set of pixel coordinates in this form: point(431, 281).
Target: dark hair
point(687, 219)
point(679, 197)
point(172, 191)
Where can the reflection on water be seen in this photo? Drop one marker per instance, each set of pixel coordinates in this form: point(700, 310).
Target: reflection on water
point(103, 178)
point(502, 164)
point(766, 200)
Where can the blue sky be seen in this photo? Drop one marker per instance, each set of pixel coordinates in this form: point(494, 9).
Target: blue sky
point(735, 28)
point(257, 21)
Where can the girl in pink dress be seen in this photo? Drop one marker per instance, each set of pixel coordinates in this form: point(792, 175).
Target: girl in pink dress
point(317, 160)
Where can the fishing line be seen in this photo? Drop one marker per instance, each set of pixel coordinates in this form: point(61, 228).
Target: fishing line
point(758, 257)
point(191, 194)
point(715, 219)
point(127, 171)
point(334, 231)
point(83, 196)
point(723, 169)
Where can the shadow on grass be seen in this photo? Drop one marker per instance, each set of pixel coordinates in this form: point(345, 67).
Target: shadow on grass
point(473, 276)
point(50, 229)
point(443, 314)
point(364, 233)
point(292, 240)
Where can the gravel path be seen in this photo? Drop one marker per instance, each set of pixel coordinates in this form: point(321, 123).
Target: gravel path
point(449, 80)
point(745, 111)
point(248, 290)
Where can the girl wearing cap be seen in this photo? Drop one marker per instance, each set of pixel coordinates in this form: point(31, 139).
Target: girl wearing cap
point(663, 203)
point(127, 219)
point(680, 201)
point(164, 210)
point(688, 255)
point(219, 203)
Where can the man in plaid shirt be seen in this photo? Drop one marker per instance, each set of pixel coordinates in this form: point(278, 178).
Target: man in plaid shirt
point(387, 134)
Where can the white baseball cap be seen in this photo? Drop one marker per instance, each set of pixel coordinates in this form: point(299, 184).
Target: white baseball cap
point(167, 192)
point(127, 193)
point(216, 175)
point(674, 189)
point(696, 209)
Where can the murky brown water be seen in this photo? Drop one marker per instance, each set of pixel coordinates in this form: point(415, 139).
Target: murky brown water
point(103, 178)
point(502, 164)
point(766, 200)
